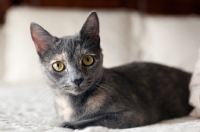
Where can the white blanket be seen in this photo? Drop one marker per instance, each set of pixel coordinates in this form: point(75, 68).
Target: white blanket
point(31, 108)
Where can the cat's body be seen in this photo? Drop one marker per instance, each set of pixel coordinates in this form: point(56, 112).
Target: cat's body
point(132, 95)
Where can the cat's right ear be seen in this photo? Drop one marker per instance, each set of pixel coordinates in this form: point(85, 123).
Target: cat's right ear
point(42, 39)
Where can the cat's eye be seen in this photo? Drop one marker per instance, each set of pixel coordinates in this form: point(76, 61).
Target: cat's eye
point(58, 66)
point(88, 60)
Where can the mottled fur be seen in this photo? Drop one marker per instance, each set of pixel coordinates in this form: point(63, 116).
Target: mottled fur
point(132, 95)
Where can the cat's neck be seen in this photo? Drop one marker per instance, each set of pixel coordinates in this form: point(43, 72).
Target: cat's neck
point(73, 107)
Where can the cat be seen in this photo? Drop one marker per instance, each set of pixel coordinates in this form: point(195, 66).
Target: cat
point(86, 94)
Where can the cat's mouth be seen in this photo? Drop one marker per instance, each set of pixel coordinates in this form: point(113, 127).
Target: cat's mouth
point(74, 89)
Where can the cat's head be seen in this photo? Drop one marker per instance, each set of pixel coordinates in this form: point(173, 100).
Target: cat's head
point(72, 64)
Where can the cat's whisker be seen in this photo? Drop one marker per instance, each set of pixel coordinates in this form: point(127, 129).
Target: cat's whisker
point(41, 88)
point(49, 95)
point(43, 92)
point(98, 89)
point(104, 88)
point(47, 92)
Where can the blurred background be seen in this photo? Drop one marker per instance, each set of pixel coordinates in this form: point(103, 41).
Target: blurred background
point(161, 31)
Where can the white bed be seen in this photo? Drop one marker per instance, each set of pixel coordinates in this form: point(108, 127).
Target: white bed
point(26, 102)
point(31, 108)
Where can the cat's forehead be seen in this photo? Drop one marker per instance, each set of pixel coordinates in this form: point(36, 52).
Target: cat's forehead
point(69, 42)
point(66, 47)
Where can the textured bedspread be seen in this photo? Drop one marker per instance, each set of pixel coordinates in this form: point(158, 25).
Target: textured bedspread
point(31, 108)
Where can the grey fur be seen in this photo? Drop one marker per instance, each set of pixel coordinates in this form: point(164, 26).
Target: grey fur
point(132, 95)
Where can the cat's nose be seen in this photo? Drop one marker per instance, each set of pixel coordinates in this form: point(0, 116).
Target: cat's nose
point(78, 81)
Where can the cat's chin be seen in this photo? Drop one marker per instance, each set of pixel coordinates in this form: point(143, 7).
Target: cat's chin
point(76, 91)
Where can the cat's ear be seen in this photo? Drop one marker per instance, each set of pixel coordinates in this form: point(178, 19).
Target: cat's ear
point(91, 25)
point(42, 39)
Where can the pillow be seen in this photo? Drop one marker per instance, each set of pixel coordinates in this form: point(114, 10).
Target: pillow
point(22, 63)
point(195, 90)
point(172, 40)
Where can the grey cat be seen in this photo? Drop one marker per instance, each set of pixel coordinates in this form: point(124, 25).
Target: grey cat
point(87, 94)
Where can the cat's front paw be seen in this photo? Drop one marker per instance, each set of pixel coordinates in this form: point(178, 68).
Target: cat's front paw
point(68, 125)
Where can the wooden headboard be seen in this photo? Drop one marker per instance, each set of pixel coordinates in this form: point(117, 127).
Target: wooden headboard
point(4, 5)
point(164, 7)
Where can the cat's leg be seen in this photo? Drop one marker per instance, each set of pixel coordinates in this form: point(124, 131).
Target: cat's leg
point(111, 120)
point(102, 120)
point(67, 125)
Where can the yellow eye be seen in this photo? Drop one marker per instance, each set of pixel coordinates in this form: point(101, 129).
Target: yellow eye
point(58, 66)
point(88, 60)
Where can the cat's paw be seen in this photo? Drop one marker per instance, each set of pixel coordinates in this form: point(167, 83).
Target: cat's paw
point(68, 125)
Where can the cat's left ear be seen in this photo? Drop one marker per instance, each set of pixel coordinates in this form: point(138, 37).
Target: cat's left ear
point(91, 25)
